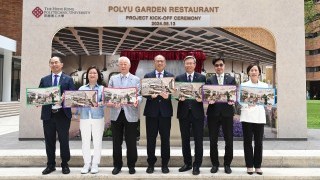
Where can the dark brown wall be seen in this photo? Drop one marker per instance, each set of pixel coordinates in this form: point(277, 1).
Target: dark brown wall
point(11, 21)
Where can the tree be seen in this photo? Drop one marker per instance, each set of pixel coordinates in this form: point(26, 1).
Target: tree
point(309, 15)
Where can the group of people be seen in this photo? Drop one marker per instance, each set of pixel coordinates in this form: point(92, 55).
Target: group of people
point(158, 112)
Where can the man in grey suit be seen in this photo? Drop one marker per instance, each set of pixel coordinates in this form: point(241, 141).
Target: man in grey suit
point(124, 119)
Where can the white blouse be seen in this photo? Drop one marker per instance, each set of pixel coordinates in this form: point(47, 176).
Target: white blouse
point(253, 114)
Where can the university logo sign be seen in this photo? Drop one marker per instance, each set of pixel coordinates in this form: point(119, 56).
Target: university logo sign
point(37, 12)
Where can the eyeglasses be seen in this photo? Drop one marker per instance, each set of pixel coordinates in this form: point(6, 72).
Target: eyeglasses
point(217, 65)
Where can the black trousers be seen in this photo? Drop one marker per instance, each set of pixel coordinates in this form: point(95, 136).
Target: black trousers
point(59, 123)
point(129, 130)
point(214, 123)
point(253, 158)
point(163, 126)
point(197, 128)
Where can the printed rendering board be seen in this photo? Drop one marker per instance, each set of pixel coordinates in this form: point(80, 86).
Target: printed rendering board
point(80, 98)
point(257, 96)
point(219, 93)
point(188, 90)
point(43, 96)
point(124, 96)
point(151, 86)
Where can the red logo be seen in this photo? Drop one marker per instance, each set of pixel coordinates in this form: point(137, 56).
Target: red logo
point(37, 12)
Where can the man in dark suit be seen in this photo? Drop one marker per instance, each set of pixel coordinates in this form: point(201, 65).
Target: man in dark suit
point(220, 114)
point(56, 119)
point(191, 113)
point(158, 112)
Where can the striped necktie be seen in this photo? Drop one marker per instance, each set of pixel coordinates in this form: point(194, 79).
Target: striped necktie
point(220, 80)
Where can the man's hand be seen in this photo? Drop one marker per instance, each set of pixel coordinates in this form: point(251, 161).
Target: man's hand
point(182, 98)
point(269, 107)
point(108, 123)
point(110, 104)
point(164, 95)
point(154, 96)
point(231, 103)
point(117, 105)
point(212, 102)
point(136, 103)
point(62, 97)
point(198, 99)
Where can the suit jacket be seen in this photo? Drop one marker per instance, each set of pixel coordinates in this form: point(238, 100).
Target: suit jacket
point(131, 112)
point(223, 109)
point(196, 107)
point(158, 106)
point(66, 83)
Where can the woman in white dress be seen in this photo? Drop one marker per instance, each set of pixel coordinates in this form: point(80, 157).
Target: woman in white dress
point(253, 119)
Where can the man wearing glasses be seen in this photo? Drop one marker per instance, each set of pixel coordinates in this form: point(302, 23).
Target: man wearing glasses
point(220, 114)
point(191, 114)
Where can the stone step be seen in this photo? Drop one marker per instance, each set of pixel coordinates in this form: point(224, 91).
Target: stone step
point(9, 109)
point(8, 114)
point(105, 173)
point(9, 104)
point(272, 158)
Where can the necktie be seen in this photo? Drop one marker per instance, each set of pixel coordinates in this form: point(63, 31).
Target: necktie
point(220, 80)
point(123, 81)
point(159, 75)
point(189, 78)
point(55, 81)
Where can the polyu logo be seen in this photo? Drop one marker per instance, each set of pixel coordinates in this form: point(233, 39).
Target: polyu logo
point(37, 12)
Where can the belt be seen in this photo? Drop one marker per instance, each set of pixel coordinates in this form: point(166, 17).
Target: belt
point(55, 110)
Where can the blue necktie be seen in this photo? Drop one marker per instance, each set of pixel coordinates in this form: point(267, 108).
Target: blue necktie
point(55, 81)
point(189, 78)
point(159, 75)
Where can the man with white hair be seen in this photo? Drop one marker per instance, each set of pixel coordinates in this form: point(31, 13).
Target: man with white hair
point(124, 118)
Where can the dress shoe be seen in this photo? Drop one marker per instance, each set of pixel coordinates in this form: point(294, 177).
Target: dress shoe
point(132, 170)
point(150, 169)
point(196, 171)
point(85, 169)
point(214, 169)
point(165, 169)
point(259, 171)
point(65, 170)
point(116, 170)
point(94, 169)
point(48, 170)
point(185, 168)
point(250, 171)
point(227, 169)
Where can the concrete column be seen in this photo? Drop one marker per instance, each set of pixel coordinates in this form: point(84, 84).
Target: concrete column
point(7, 68)
point(274, 75)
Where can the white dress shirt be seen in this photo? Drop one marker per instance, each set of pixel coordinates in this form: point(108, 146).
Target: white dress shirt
point(162, 73)
point(221, 77)
point(58, 78)
point(192, 74)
